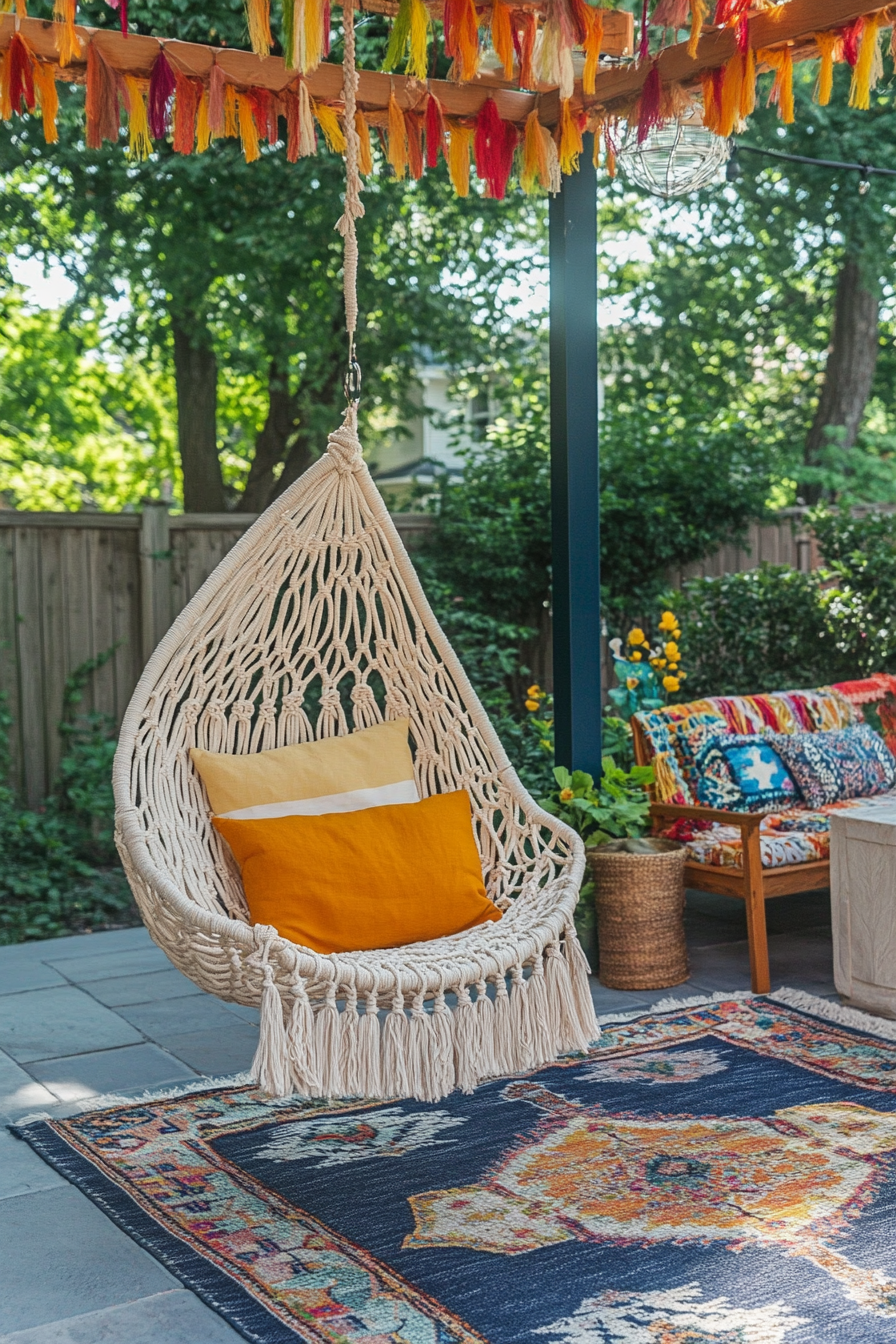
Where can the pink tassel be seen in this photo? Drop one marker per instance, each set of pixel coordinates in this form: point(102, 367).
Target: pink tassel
point(216, 100)
point(161, 90)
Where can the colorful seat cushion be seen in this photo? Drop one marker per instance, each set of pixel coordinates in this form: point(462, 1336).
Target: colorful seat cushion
point(833, 767)
point(793, 836)
point(742, 772)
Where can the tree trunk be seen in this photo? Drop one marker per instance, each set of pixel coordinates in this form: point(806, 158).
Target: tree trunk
point(196, 381)
point(849, 373)
point(273, 441)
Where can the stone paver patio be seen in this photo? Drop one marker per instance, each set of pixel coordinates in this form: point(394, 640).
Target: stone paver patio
point(107, 1012)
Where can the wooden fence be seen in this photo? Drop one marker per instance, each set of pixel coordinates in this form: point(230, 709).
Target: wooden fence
point(72, 585)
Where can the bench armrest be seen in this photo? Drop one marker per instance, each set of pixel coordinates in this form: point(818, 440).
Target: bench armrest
point(745, 821)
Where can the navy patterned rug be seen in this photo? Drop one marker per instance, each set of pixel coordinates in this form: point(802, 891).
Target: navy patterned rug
point(722, 1172)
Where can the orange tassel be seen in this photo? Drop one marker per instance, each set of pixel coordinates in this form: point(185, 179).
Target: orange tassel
point(502, 36)
point(732, 93)
point(461, 25)
point(460, 141)
point(710, 108)
point(535, 156)
point(570, 146)
point(397, 137)
point(187, 93)
point(699, 11)
point(48, 99)
point(258, 21)
point(101, 103)
point(203, 129)
point(365, 156)
point(748, 88)
point(781, 61)
point(67, 42)
point(5, 104)
point(139, 138)
point(248, 129)
point(592, 48)
point(231, 120)
point(830, 49)
point(611, 152)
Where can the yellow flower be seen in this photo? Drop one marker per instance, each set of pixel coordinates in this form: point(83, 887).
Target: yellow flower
point(636, 657)
point(547, 744)
point(670, 684)
point(673, 667)
point(533, 691)
point(531, 705)
point(636, 636)
point(668, 621)
point(632, 683)
point(676, 633)
point(671, 652)
point(566, 795)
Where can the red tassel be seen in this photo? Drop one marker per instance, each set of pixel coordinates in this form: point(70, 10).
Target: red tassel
point(161, 88)
point(644, 44)
point(435, 132)
point(731, 11)
point(186, 104)
point(494, 145)
point(649, 111)
point(101, 103)
point(525, 28)
point(20, 74)
point(264, 112)
point(852, 36)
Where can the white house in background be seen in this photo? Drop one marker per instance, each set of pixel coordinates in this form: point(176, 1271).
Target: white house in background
point(431, 446)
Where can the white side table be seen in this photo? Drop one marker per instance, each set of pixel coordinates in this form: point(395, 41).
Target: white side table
point(863, 907)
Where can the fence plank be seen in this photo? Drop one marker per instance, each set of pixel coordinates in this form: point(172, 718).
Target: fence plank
point(9, 656)
point(53, 640)
point(28, 606)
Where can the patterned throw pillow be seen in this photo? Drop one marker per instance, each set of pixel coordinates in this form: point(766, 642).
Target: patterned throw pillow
point(831, 767)
point(743, 773)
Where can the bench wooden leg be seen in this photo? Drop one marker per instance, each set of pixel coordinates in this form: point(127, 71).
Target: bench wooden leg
point(755, 903)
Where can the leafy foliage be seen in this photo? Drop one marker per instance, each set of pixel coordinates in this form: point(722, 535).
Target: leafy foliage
point(617, 806)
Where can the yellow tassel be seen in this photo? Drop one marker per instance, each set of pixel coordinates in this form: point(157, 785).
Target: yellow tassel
point(665, 785)
point(258, 21)
point(418, 57)
point(869, 66)
point(535, 156)
point(467, 41)
point(732, 89)
point(748, 87)
point(21, 9)
point(365, 156)
point(502, 36)
point(460, 140)
point(48, 99)
point(710, 110)
point(829, 46)
point(67, 43)
point(699, 11)
point(314, 35)
point(231, 123)
point(328, 120)
point(780, 60)
point(592, 48)
point(248, 129)
point(139, 139)
point(397, 139)
point(5, 100)
point(203, 130)
point(570, 146)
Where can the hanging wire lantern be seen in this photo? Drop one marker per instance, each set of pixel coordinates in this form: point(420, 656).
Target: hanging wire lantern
point(675, 159)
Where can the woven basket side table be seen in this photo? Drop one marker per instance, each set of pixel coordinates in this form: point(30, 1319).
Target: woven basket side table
point(639, 898)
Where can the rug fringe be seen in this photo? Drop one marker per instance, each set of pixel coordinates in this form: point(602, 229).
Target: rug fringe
point(836, 1012)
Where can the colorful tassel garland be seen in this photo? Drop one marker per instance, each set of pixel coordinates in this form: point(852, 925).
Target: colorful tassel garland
point(502, 36)
point(461, 25)
point(409, 39)
point(258, 21)
point(869, 65)
point(830, 49)
point(460, 141)
point(101, 102)
point(187, 93)
point(649, 113)
point(139, 139)
point(413, 122)
point(47, 99)
point(494, 145)
point(20, 74)
point(365, 155)
point(435, 131)
point(535, 156)
point(328, 120)
point(781, 61)
point(68, 43)
point(672, 14)
point(397, 136)
point(248, 129)
point(161, 89)
point(699, 10)
point(203, 129)
point(570, 141)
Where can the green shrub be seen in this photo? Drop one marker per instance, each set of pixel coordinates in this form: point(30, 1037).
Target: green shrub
point(860, 557)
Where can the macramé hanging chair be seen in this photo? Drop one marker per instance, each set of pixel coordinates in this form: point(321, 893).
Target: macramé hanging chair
point(314, 625)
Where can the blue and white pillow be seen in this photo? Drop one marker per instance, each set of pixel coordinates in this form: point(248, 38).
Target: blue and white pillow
point(835, 766)
point(743, 773)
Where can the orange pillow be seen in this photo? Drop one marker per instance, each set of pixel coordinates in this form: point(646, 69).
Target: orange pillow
point(350, 881)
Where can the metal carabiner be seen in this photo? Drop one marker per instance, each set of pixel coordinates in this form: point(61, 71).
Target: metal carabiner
point(351, 383)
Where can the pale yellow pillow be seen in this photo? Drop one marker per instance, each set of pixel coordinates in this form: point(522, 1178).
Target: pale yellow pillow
point(370, 768)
